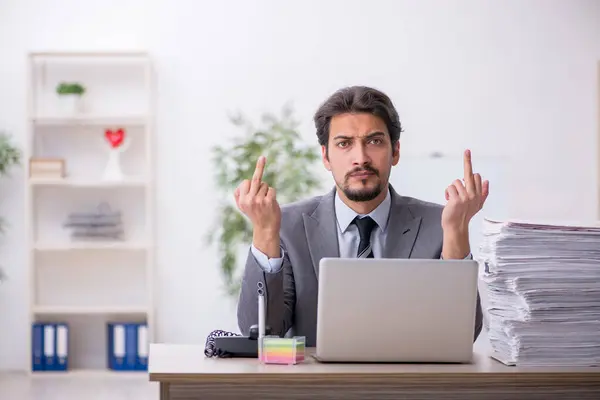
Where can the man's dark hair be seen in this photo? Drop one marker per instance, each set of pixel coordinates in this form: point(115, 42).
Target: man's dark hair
point(357, 99)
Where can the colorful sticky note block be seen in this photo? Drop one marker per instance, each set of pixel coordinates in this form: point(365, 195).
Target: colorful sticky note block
point(277, 350)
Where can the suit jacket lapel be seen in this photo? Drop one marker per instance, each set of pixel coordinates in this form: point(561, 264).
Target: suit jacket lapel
point(321, 231)
point(403, 227)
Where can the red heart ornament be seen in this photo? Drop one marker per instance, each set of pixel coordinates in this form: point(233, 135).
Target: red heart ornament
point(115, 138)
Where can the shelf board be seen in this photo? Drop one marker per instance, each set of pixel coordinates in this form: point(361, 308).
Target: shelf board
point(87, 53)
point(83, 310)
point(91, 374)
point(92, 183)
point(90, 245)
point(89, 120)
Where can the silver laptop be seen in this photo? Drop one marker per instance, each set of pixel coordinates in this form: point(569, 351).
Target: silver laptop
point(396, 310)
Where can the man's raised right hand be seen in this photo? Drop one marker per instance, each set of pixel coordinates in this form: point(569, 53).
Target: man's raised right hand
point(259, 203)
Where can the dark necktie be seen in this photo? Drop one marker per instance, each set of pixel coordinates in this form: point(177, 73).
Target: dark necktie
point(365, 227)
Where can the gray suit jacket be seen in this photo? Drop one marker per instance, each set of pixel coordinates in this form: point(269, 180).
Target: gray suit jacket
point(309, 233)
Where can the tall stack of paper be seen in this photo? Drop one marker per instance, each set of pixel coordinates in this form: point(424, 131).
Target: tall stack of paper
point(543, 289)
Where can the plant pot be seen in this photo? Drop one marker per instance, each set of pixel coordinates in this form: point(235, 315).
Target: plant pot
point(70, 104)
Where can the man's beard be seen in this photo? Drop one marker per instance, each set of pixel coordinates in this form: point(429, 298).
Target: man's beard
point(365, 194)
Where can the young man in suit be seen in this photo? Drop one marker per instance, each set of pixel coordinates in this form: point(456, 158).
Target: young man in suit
point(358, 129)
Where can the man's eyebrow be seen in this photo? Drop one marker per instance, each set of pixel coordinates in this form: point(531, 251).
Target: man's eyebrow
point(369, 136)
point(378, 133)
point(342, 137)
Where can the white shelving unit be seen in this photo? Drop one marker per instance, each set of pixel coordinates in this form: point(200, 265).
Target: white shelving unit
point(82, 282)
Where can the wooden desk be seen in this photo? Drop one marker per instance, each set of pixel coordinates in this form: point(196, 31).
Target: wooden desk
point(185, 373)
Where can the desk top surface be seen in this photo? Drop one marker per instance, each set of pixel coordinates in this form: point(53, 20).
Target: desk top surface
point(172, 362)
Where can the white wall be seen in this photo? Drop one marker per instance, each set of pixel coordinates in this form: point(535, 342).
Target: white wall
point(512, 78)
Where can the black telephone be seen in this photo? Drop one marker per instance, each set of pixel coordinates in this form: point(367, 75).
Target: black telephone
point(225, 344)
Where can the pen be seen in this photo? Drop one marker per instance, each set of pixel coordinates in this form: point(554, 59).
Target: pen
point(261, 320)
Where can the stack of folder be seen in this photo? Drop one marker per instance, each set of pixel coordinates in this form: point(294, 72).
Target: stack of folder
point(127, 345)
point(543, 292)
point(50, 347)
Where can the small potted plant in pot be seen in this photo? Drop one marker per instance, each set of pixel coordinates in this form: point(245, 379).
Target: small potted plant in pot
point(70, 94)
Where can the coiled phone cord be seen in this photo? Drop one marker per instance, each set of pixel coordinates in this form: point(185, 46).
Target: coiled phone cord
point(210, 349)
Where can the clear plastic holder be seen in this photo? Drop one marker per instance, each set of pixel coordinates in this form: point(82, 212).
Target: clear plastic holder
point(278, 350)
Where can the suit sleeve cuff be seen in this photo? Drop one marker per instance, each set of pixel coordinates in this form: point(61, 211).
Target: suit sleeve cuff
point(270, 265)
point(468, 257)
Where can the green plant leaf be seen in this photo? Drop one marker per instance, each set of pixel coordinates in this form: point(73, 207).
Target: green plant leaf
point(10, 156)
point(70, 88)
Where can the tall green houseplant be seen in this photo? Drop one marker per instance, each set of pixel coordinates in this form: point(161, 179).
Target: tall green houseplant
point(9, 157)
point(289, 170)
